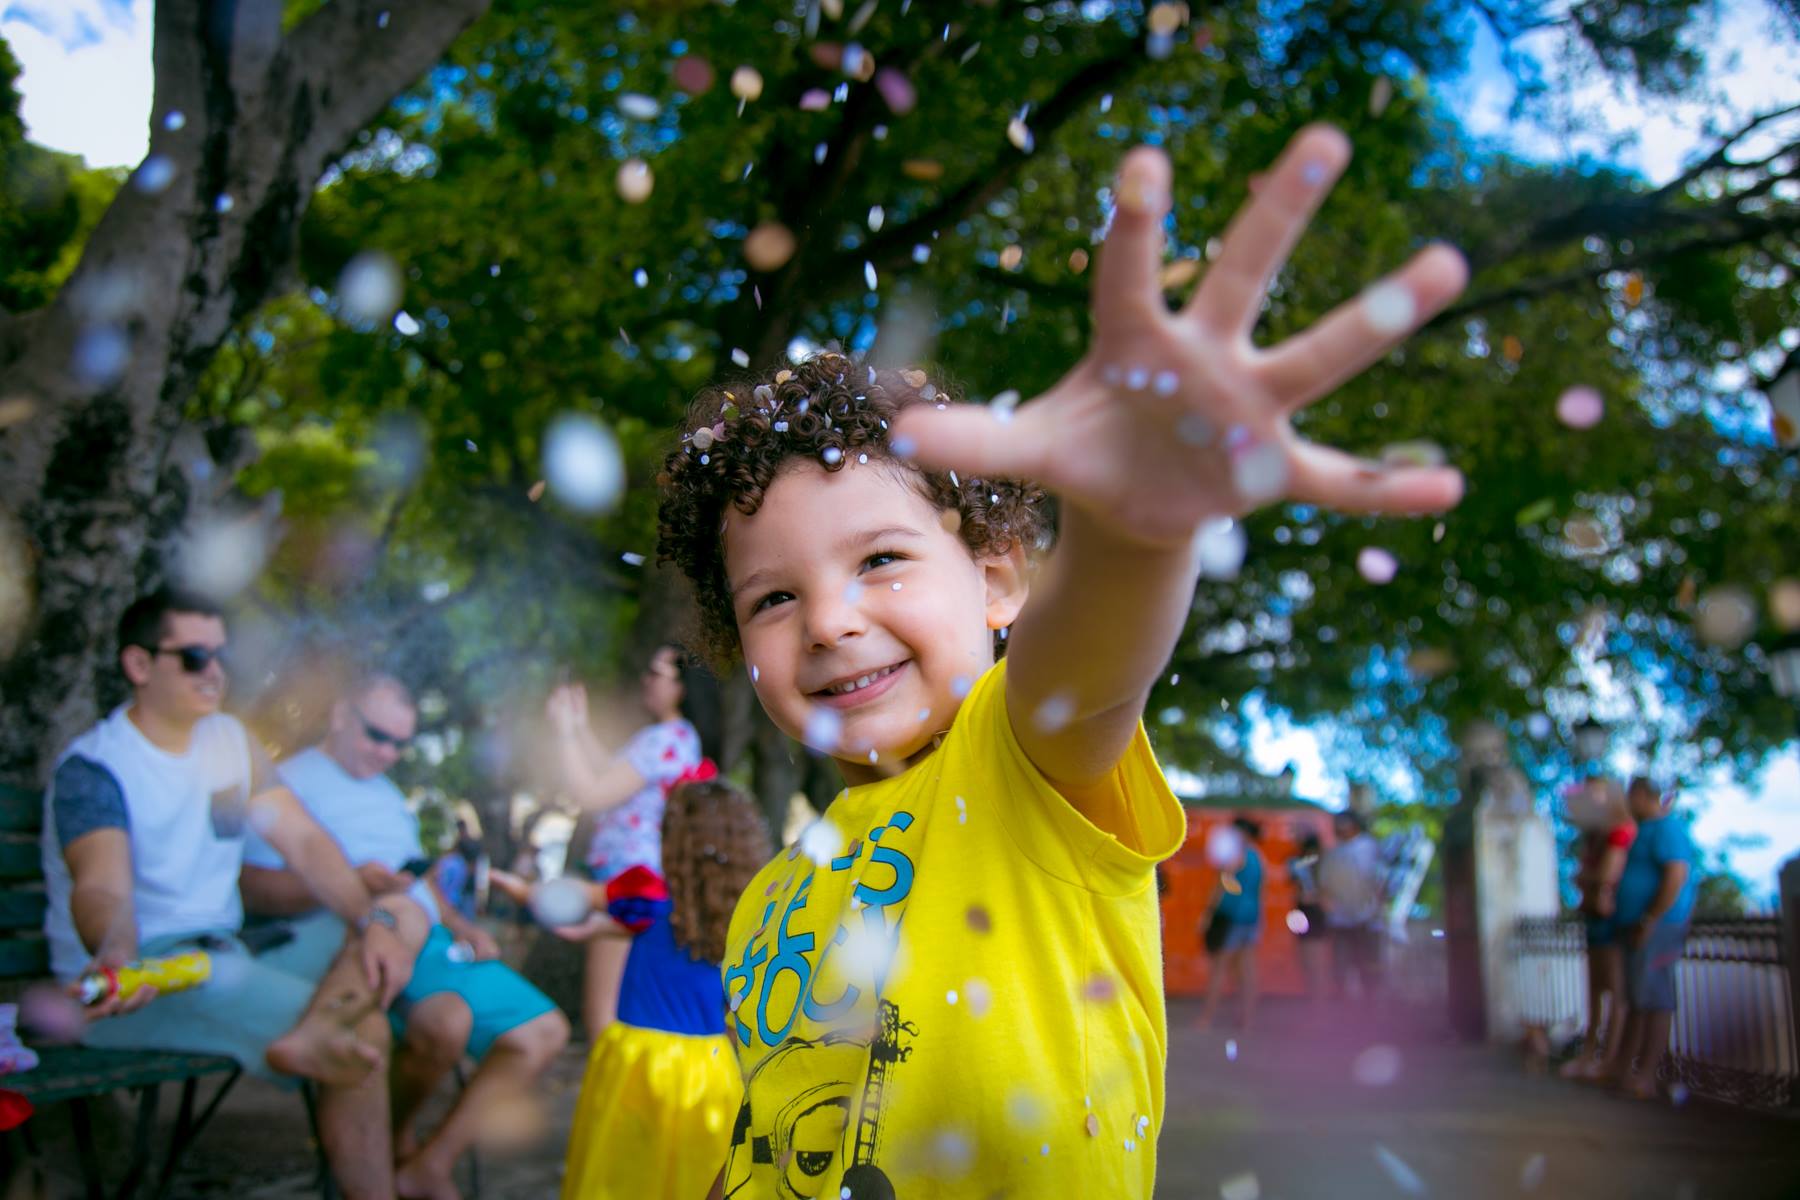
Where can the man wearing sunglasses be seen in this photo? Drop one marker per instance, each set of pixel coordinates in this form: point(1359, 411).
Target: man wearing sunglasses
point(144, 831)
point(451, 1006)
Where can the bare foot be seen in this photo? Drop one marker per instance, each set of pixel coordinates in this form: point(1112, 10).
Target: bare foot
point(415, 1179)
point(1636, 1087)
point(324, 1051)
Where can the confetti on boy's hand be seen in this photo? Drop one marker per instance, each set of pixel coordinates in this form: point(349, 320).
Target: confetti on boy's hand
point(1173, 418)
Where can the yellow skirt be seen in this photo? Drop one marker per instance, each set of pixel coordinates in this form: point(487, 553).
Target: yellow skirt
point(654, 1118)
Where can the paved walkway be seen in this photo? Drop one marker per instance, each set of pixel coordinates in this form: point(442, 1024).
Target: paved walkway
point(1300, 1108)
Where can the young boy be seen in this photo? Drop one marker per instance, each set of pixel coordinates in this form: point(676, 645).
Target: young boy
point(952, 986)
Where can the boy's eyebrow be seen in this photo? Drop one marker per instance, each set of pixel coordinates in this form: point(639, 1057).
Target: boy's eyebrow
point(850, 541)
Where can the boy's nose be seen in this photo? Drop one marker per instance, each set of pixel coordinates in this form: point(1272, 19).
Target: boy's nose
point(829, 620)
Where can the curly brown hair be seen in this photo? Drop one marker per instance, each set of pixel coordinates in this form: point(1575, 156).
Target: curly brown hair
point(828, 409)
point(714, 842)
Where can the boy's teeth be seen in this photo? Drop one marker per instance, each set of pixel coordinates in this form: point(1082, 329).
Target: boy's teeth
point(860, 682)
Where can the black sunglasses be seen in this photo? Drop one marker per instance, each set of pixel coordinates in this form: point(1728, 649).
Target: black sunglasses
point(194, 659)
point(382, 737)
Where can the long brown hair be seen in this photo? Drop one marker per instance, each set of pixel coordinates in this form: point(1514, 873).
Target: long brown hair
point(714, 842)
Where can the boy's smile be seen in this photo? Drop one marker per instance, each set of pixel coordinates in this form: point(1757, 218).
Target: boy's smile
point(863, 619)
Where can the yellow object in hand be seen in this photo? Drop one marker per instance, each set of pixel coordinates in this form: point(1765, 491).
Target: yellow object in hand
point(175, 973)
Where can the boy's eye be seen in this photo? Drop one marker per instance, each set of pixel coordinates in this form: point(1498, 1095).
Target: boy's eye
point(771, 599)
point(880, 559)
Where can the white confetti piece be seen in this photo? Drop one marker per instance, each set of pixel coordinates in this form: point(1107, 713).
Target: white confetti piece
point(562, 901)
point(823, 729)
point(370, 287)
point(1260, 472)
point(1376, 565)
point(1404, 1177)
point(635, 181)
point(639, 107)
point(583, 464)
point(821, 842)
point(1377, 1066)
point(1220, 547)
point(1389, 307)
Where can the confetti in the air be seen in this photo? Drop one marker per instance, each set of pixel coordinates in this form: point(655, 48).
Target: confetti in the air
point(1224, 846)
point(635, 181)
point(1531, 1174)
point(1727, 617)
point(1242, 1186)
point(693, 74)
point(1219, 548)
point(1377, 1066)
point(1019, 134)
point(1403, 1176)
point(1260, 472)
point(1380, 94)
point(769, 246)
point(1389, 307)
point(821, 842)
point(747, 84)
point(639, 107)
point(561, 901)
point(370, 287)
point(823, 729)
point(1376, 565)
point(1580, 408)
point(583, 464)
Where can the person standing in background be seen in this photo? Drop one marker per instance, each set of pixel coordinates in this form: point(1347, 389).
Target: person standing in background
point(626, 788)
point(1350, 879)
point(1235, 928)
point(1655, 902)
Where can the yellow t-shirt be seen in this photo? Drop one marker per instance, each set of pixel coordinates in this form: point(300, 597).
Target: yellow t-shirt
point(952, 986)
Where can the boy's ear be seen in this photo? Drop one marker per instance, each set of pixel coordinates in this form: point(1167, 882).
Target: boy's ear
point(1008, 582)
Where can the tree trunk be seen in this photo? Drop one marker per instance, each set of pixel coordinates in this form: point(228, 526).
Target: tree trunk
point(245, 121)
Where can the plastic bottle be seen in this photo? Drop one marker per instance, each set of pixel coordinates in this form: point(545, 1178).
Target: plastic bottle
point(175, 973)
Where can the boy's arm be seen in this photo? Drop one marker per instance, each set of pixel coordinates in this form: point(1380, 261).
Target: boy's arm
point(1172, 420)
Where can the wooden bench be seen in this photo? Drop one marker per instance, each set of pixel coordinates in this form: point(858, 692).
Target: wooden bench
point(76, 1074)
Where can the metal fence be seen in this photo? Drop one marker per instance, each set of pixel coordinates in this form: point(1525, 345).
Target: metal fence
point(1732, 1037)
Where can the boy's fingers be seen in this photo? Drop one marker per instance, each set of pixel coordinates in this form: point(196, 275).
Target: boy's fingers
point(969, 439)
point(1264, 231)
point(1357, 333)
point(1127, 281)
point(1332, 479)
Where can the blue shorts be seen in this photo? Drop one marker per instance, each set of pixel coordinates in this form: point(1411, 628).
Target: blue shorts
point(1650, 971)
point(1601, 931)
point(1240, 937)
point(499, 998)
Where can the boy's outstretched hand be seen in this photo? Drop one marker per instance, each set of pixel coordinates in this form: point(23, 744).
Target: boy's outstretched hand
point(1176, 417)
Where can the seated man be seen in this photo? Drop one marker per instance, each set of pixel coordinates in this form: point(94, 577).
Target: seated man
point(483, 1006)
point(144, 830)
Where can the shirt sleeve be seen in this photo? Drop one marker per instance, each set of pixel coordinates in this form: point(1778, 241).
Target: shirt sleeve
point(656, 752)
point(1621, 836)
point(85, 796)
point(262, 768)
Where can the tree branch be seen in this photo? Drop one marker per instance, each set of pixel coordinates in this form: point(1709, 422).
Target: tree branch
point(895, 244)
point(391, 43)
point(1742, 232)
